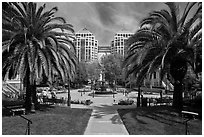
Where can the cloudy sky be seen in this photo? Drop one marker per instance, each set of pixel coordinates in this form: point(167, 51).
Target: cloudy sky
point(104, 19)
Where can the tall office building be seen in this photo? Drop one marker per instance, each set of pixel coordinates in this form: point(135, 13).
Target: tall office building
point(118, 44)
point(103, 50)
point(86, 46)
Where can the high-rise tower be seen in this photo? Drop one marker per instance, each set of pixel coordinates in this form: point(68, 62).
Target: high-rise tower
point(118, 44)
point(86, 46)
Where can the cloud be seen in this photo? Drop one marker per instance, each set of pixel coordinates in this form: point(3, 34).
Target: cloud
point(104, 19)
point(105, 13)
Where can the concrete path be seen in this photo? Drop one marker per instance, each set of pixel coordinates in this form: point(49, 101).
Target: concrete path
point(105, 120)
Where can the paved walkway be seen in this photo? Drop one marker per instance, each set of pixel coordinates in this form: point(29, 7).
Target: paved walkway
point(105, 120)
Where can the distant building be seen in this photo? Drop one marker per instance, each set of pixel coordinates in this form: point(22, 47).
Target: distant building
point(12, 88)
point(153, 80)
point(118, 44)
point(86, 46)
point(103, 50)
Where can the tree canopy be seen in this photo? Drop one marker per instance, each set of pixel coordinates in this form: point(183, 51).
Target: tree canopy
point(112, 65)
point(35, 43)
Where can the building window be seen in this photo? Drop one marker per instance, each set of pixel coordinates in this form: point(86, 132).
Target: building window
point(155, 75)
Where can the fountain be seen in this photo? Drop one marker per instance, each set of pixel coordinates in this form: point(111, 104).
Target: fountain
point(100, 88)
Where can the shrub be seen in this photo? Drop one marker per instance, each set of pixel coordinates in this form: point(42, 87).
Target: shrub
point(125, 102)
point(85, 102)
point(105, 92)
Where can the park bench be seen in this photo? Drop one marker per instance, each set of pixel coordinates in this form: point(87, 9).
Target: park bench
point(48, 101)
point(16, 108)
point(13, 107)
point(162, 101)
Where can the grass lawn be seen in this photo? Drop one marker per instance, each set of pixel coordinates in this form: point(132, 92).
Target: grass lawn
point(49, 121)
point(158, 120)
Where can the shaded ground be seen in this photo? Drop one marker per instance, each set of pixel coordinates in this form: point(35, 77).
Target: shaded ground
point(159, 120)
point(49, 121)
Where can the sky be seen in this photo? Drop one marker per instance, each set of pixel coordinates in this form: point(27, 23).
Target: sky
point(105, 19)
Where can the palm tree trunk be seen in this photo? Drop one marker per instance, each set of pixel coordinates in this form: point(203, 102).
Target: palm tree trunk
point(177, 96)
point(28, 92)
point(69, 96)
point(34, 95)
point(178, 69)
point(138, 98)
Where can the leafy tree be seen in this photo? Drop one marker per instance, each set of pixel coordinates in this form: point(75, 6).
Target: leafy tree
point(81, 74)
point(93, 71)
point(113, 68)
point(36, 43)
point(170, 42)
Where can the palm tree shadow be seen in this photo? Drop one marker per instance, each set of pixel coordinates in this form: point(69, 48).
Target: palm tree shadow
point(44, 107)
point(161, 115)
point(105, 110)
point(116, 119)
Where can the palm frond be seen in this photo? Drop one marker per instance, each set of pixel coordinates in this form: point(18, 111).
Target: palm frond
point(58, 26)
point(44, 61)
point(21, 11)
point(185, 14)
point(141, 75)
point(195, 30)
point(60, 19)
point(174, 14)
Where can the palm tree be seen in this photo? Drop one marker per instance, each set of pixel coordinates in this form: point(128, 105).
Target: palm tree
point(169, 43)
point(35, 43)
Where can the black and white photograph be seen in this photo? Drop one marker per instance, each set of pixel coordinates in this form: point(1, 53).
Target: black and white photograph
point(101, 68)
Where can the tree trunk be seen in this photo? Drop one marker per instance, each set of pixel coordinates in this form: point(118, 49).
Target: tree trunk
point(28, 97)
point(178, 69)
point(69, 96)
point(30, 93)
point(26, 81)
point(138, 98)
point(177, 96)
point(34, 95)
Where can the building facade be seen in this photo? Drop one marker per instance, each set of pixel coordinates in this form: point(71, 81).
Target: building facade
point(103, 50)
point(86, 46)
point(153, 80)
point(118, 43)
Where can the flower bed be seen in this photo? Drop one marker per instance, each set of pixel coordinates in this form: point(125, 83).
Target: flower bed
point(85, 102)
point(85, 90)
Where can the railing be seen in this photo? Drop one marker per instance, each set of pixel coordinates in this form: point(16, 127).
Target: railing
point(9, 88)
point(28, 122)
point(6, 92)
point(13, 88)
point(188, 116)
